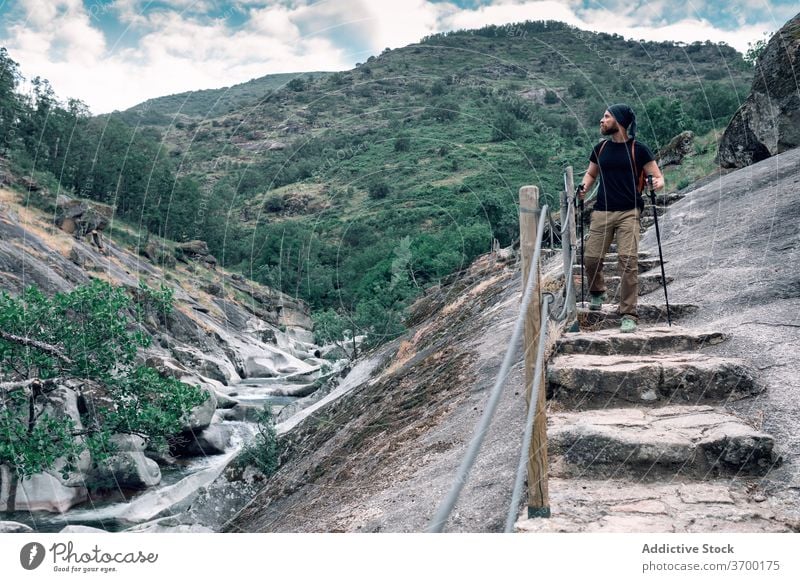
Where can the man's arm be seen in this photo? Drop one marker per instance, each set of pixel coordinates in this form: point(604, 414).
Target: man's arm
point(658, 179)
point(588, 179)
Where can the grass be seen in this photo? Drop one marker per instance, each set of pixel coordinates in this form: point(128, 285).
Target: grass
point(696, 166)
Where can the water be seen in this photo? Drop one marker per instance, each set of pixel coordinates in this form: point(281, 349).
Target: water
point(118, 510)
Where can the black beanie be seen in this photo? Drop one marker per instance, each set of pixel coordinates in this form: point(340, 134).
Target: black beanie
point(624, 116)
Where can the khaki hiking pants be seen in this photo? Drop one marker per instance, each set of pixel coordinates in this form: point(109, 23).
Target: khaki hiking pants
point(605, 226)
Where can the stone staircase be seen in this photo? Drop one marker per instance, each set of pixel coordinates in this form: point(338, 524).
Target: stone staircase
point(639, 436)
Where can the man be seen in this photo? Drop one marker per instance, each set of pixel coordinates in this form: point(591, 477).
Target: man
point(621, 162)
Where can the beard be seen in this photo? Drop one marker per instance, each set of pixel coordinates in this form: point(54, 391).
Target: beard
point(610, 130)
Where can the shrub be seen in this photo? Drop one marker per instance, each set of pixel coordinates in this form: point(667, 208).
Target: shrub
point(504, 127)
point(378, 190)
point(577, 88)
point(402, 143)
point(264, 451)
point(446, 111)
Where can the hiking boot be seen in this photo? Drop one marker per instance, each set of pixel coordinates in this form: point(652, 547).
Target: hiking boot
point(628, 324)
point(596, 302)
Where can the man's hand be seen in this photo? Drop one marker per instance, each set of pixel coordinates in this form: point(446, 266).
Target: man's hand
point(581, 191)
point(658, 182)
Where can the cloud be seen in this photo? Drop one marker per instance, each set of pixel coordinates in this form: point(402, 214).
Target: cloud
point(160, 48)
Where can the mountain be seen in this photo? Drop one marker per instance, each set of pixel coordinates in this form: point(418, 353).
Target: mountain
point(356, 191)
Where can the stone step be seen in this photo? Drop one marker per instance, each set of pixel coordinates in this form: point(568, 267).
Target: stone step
point(609, 267)
point(696, 441)
point(648, 283)
point(680, 505)
point(613, 257)
point(589, 381)
point(649, 313)
point(645, 340)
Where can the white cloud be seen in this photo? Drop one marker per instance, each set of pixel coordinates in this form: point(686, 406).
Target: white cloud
point(179, 49)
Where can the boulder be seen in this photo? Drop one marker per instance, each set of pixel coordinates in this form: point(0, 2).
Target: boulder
point(46, 492)
point(224, 401)
point(81, 217)
point(168, 525)
point(213, 440)
point(82, 529)
point(193, 248)
point(159, 254)
point(201, 416)
point(128, 468)
point(768, 122)
point(14, 527)
point(271, 362)
point(678, 148)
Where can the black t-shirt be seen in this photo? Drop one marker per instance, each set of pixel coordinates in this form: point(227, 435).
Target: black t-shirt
point(618, 179)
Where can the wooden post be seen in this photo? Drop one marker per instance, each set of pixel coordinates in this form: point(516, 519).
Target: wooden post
point(568, 244)
point(538, 496)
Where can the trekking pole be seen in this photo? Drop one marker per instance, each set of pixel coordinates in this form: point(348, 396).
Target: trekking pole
point(658, 238)
point(580, 214)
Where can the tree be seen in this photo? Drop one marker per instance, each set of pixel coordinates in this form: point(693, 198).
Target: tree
point(504, 126)
point(85, 334)
point(446, 110)
point(666, 118)
point(378, 190)
point(331, 326)
point(402, 143)
point(754, 49)
point(577, 89)
point(9, 102)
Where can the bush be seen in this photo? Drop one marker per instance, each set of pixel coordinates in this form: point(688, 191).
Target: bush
point(438, 88)
point(550, 97)
point(577, 89)
point(378, 190)
point(504, 127)
point(519, 108)
point(446, 111)
point(274, 203)
point(264, 451)
point(297, 84)
point(402, 143)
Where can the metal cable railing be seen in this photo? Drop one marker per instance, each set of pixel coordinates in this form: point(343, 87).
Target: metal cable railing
point(446, 507)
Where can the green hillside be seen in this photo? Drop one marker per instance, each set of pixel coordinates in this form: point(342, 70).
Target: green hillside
point(210, 102)
point(357, 190)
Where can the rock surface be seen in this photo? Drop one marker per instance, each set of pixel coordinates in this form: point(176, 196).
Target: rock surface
point(678, 148)
point(768, 122)
point(14, 527)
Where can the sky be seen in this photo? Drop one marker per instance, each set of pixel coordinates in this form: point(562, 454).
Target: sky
point(113, 54)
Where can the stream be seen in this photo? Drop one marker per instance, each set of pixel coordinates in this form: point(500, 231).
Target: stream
point(113, 511)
